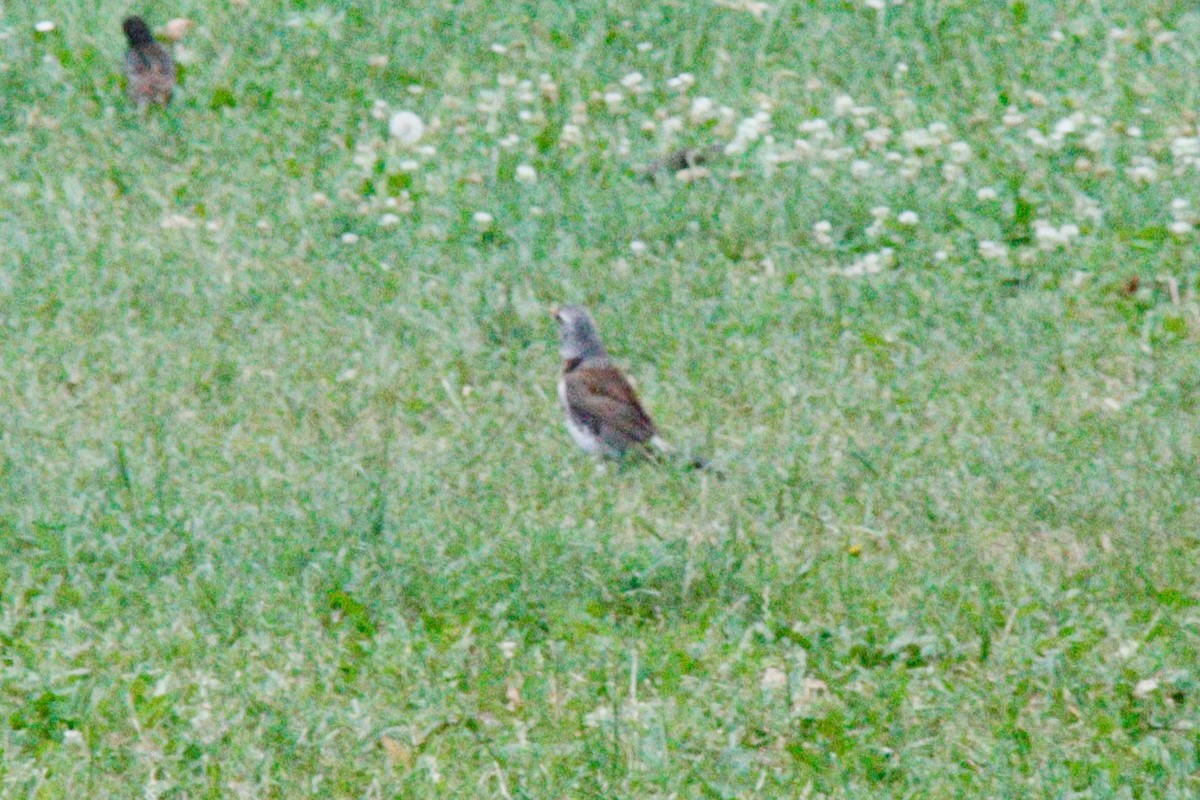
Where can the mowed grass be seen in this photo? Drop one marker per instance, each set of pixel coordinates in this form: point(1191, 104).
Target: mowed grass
point(287, 512)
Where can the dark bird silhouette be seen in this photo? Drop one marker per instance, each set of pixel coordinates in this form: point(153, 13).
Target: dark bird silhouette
point(149, 68)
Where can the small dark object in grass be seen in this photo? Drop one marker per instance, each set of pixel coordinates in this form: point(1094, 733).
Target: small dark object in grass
point(683, 158)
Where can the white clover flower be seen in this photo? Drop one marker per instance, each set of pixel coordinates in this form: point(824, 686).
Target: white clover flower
point(821, 232)
point(951, 172)
point(406, 127)
point(1066, 126)
point(1045, 234)
point(940, 255)
point(703, 109)
point(1012, 118)
point(633, 80)
point(871, 263)
point(571, 135)
point(992, 251)
point(681, 82)
point(1180, 227)
point(525, 93)
point(1185, 151)
point(44, 26)
point(877, 138)
point(960, 152)
point(490, 102)
point(388, 220)
point(1050, 237)
point(749, 130)
point(817, 128)
point(986, 194)
point(860, 169)
point(1144, 170)
point(755, 8)
point(918, 139)
point(483, 219)
point(509, 142)
point(1088, 209)
point(349, 238)
point(508, 649)
point(907, 218)
point(1094, 141)
point(843, 104)
point(526, 174)
point(1179, 205)
point(638, 247)
point(881, 212)
point(613, 100)
point(773, 679)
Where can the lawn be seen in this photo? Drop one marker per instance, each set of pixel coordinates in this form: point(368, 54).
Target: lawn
point(287, 505)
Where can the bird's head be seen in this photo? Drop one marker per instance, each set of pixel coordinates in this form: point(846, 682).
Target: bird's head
point(136, 31)
point(577, 334)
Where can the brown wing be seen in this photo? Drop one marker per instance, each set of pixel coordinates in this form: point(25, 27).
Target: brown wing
point(604, 402)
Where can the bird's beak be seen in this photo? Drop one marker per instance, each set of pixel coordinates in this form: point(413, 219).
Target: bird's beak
point(553, 311)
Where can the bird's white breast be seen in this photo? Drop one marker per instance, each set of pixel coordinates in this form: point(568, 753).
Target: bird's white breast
point(582, 436)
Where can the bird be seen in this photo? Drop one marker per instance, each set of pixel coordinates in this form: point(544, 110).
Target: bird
point(684, 158)
point(149, 68)
point(603, 413)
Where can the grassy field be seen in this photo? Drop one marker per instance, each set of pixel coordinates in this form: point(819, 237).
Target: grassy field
point(287, 507)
